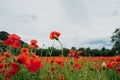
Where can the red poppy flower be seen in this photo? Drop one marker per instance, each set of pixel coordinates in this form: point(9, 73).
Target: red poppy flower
point(16, 44)
point(15, 69)
point(76, 66)
point(34, 44)
point(24, 50)
point(97, 67)
point(13, 40)
point(23, 59)
point(8, 42)
point(117, 68)
point(34, 65)
point(14, 37)
point(52, 61)
point(109, 65)
point(54, 35)
point(1, 66)
point(7, 54)
point(60, 61)
point(14, 66)
point(72, 53)
point(34, 55)
point(118, 58)
point(52, 69)
point(79, 52)
point(1, 59)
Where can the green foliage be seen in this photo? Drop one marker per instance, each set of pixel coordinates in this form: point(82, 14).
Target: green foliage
point(115, 39)
point(3, 35)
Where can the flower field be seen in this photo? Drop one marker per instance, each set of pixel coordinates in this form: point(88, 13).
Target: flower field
point(29, 66)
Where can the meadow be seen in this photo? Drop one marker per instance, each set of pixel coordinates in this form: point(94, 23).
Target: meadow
point(29, 66)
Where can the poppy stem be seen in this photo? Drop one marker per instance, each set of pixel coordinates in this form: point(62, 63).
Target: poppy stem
point(51, 48)
point(61, 48)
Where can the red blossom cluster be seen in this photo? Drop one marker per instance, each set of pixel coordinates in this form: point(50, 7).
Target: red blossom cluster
point(7, 54)
point(58, 61)
point(75, 53)
point(34, 65)
point(76, 65)
point(13, 40)
point(34, 44)
point(14, 69)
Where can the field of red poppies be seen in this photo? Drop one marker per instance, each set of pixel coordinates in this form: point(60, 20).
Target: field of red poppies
point(29, 66)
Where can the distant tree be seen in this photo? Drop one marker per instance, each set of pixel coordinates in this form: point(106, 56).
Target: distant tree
point(95, 52)
point(115, 39)
point(73, 48)
point(66, 51)
point(81, 48)
point(103, 49)
point(88, 51)
point(3, 35)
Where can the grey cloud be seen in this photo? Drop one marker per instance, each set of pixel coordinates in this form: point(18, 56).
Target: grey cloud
point(76, 12)
point(26, 18)
point(101, 42)
point(79, 21)
point(115, 13)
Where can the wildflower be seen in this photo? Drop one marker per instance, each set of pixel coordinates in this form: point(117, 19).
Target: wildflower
point(117, 69)
point(71, 53)
point(7, 54)
point(14, 37)
point(79, 52)
point(1, 66)
point(34, 65)
point(103, 64)
point(16, 44)
point(8, 42)
point(62, 77)
point(47, 59)
point(52, 61)
point(118, 58)
point(97, 67)
point(59, 61)
point(76, 66)
point(15, 66)
point(13, 40)
point(54, 35)
point(1, 59)
point(34, 44)
point(14, 69)
point(23, 59)
point(110, 65)
point(52, 69)
point(25, 51)
point(34, 55)
point(74, 53)
point(2, 69)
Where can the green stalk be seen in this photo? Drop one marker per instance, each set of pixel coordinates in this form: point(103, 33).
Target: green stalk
point(51, 49)
point(61, 48)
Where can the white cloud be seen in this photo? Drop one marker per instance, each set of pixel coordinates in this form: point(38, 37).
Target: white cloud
point(79, 21)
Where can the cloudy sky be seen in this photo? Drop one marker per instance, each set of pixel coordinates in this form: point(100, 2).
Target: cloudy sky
point(82, 23)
